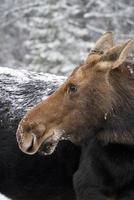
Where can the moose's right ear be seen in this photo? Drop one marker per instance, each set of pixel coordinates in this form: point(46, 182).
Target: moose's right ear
point(104, 43)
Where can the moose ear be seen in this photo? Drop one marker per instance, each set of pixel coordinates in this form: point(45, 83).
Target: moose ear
point(124, 53)
point(104, 43)
point(116, 55)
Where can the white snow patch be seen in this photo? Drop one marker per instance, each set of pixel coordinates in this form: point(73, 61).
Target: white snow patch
point(47, 77)
point(19, 74)
point(44, 97)
point(2, 197)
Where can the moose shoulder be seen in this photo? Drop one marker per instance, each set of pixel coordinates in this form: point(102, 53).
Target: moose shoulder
point(93, 108)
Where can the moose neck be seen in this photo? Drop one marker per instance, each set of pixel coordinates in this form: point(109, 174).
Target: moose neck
point(119, 123)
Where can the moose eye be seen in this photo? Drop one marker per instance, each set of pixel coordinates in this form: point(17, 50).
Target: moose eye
point(72, 88)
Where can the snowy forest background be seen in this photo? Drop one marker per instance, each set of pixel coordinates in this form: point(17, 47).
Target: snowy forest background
point(55, 35)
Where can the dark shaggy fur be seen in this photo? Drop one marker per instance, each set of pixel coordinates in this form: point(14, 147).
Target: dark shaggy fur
point(37, 177)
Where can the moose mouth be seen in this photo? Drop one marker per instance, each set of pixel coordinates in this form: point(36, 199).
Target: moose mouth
point(51, 142)
point(49, 146)
point(31, 144)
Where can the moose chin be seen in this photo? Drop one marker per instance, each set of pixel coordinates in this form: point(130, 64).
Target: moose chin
point(93, 108)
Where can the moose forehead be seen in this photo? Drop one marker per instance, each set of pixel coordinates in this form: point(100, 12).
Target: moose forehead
point(84, 70)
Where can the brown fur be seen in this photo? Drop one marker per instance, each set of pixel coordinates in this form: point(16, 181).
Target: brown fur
point(75, 115)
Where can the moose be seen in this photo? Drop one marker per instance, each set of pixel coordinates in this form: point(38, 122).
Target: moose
point(93, 108)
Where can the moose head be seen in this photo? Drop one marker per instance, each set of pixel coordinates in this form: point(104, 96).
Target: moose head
point(81, 106)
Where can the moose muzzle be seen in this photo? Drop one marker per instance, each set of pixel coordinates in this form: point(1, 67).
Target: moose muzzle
point(29, 136)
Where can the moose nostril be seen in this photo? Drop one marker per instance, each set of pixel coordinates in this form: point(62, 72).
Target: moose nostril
point(28, 144)
point(31, 144)
point(28, 136)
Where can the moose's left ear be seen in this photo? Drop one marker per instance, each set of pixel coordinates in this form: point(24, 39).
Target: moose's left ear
point(116, 56)
point(124, 53)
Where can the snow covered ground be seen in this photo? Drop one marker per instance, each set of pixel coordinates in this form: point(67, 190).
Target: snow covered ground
point(54, 36)
point(2, 197)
